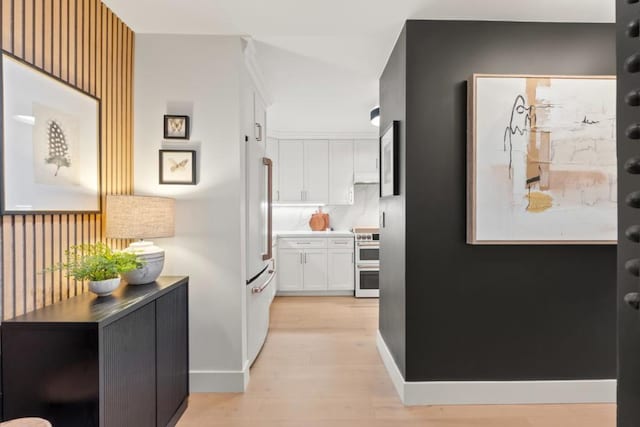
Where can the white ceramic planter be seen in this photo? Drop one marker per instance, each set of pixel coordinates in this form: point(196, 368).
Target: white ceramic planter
point(104, 288)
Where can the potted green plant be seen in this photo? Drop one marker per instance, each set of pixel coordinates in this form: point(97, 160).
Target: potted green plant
point(99, 264)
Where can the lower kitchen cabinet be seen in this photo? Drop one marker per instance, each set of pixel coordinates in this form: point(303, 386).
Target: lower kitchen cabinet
point(118, 361)
point(315, 269)
point(290, 271)
point(315, 265)
point(341, 269)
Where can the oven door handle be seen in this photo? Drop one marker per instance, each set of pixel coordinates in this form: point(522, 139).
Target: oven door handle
point(368, 267)
point(368, 245)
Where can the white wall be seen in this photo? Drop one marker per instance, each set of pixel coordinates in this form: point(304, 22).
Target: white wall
point(363, 212)
point(200, 76)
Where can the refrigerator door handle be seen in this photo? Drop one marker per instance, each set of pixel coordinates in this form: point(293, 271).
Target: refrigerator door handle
point(269, 164)
point(258, 290)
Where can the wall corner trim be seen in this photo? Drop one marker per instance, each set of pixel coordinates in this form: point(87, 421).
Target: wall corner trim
point(219, 381)
point(494, 392)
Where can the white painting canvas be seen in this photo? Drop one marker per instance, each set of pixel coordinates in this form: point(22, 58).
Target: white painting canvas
point(542, 160)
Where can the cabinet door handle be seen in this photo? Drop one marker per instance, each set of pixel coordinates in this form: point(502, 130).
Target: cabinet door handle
point(305, 257)
point(259, 132)
point(301, 255)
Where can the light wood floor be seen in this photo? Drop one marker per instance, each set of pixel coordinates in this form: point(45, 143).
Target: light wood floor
point(320, 367)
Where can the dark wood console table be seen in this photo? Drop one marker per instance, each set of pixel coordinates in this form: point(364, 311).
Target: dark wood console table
point(117, 361)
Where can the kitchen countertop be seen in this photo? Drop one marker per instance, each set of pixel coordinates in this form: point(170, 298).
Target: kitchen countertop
point(313, 234)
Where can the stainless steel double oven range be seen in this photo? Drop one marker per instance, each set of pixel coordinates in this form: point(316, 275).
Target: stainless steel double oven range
point(367, 242)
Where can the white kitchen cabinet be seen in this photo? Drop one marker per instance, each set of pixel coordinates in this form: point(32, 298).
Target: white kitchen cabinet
point(291, 168)
point(272, 153)
point(341, 172)
point(315, 269)
point(290, 270)
point(341, 269)
point(316, 171)
point(316, 264)
point(367, 161)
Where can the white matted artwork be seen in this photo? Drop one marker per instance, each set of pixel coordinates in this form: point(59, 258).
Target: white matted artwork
point(50, 143)
point(542, 160)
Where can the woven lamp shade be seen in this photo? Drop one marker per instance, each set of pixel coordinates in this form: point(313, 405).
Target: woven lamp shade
point(140, 217)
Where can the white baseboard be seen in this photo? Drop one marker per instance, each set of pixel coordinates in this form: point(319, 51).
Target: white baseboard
point(494, 392)
point(219, 381)
point(314, 293)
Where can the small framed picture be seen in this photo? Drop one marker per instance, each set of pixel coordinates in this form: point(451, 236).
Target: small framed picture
point(178, 167)
point(389, 171)
point(176, 127)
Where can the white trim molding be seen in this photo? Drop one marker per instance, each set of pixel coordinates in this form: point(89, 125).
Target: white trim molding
point(285, 134)
point(255, 72)
point(494, 392)
point(219, 381)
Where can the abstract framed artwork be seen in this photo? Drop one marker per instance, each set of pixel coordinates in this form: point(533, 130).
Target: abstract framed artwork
point(178, 167)
point(176, 127)
point(541, 160)
point(50, 143)
point(389, 173)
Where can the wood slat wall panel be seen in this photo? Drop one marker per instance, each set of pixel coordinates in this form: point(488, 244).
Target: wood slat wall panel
point(85, 44)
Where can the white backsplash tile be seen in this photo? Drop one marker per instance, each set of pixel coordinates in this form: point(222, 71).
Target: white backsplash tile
point(363, 212)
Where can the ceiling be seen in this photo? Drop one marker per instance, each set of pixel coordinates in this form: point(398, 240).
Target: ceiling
point(322, 59)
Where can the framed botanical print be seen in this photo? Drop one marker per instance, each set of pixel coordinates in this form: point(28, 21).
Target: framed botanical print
point(176, 127)
point(50, 143)
point(178, 167)
point(389, 173)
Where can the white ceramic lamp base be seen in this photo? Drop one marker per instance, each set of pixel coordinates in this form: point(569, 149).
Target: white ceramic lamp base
point(153, 258)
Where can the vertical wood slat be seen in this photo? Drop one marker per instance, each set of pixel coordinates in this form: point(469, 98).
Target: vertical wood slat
point(7, 268)
point(71, 41)
point(28, 31)
point(47, 36)
point(83, 43)
point(7, 25)
point(38, 33)
point(18, 28)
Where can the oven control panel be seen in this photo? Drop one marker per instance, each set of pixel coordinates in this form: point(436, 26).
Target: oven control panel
point(368, 237)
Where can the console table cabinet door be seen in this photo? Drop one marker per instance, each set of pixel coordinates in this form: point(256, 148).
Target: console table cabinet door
point(172, 353)
point(129, 379)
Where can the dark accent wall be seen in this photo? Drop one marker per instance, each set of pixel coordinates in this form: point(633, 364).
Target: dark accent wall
point(628, 217)
point(489, 312)
point(392, 235)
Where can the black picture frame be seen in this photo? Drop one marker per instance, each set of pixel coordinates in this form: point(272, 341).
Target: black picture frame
point(5, 209)
point(189, 155)
point(167, 131)
point(389, 159)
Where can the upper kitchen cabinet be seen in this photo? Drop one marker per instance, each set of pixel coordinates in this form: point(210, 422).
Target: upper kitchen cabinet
point(367, 161)
point(273, 154)
point(341, 172)
point(316, 171)
point(291, 157)
point(303, 171)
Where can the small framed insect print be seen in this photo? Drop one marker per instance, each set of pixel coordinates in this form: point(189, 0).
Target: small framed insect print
point(178, 167)
point(176, 127)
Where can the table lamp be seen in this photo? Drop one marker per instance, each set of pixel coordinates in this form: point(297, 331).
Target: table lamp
point(140, 218)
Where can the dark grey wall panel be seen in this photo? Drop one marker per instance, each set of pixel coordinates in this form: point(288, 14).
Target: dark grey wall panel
point(172, 343)
point(492, 312)
point(129, 347)
point(392, 235)
point(628, 217)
